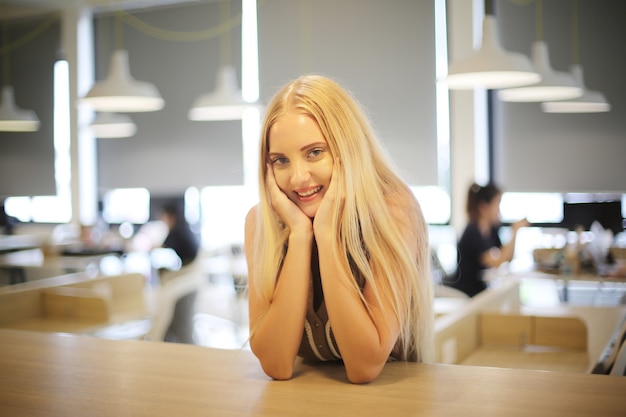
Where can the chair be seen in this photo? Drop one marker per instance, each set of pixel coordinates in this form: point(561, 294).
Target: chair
point(619, 367)
point(448, 292)
point(613, 360)
point(175, 297)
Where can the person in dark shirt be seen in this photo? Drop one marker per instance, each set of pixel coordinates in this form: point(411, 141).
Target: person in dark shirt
point(183, 241)
point(7, 223)
point(180, 237)
point(479, 247)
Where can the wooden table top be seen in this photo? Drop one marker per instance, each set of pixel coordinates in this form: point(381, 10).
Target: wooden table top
point(584, 276)
point(48, 374)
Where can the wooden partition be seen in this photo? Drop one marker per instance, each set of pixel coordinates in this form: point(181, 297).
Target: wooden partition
point(493, 329)
point(457, 333)
point(75, 303)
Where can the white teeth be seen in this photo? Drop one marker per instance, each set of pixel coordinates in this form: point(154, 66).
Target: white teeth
point(310, 192)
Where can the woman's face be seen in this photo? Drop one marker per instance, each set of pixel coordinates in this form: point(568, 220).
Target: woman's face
point(492, 210)
point(301, 160)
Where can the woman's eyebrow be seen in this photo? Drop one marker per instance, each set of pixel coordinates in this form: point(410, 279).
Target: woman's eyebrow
point(274, 154)
point(313, 145)
point(303, 148)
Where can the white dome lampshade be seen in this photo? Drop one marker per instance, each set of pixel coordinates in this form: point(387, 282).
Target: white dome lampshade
point(554, 85)
point(112, 125)
point(120, 92)
point(14, 119)
point(224, 103)
point(590, 102)
point(491, 66)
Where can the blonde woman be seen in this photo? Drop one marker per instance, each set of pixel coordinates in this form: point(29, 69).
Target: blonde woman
point(337, 248)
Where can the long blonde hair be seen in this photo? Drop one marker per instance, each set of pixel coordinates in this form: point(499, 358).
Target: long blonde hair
point(370, 237)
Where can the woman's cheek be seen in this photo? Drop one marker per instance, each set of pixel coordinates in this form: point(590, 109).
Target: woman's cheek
point(327, 169)
point(282, 179)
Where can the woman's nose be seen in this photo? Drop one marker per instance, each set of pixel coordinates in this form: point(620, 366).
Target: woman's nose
point(300, 174)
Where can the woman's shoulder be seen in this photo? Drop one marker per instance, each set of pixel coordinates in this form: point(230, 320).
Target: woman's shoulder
point(405, 211)
point(402, 203)
point(251, 217)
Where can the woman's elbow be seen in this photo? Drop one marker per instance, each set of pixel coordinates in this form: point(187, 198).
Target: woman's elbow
point(281, 373)
point(277, 368)
point(363, 374)
point(276, 365)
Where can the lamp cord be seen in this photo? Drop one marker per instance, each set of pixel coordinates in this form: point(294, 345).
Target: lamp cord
point(180, 36)
point(7, 47)
point(539, 19)
point(489, 7)
point(225, 47)
point(225, 26)
point(575, 34)
point(5, 52)
point(119, 31)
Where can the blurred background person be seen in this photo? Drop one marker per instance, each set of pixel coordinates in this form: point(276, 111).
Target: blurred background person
point(479, 247)
point(180, 238)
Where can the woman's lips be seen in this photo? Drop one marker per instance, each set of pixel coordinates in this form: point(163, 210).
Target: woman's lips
point(308, 194)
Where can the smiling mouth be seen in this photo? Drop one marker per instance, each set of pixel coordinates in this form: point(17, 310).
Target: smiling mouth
point(309, 192)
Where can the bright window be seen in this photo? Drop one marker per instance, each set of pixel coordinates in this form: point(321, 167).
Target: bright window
point(435, 203)
point(224, 212)
point(57, 208)
point(536, 207)
point(130, 205)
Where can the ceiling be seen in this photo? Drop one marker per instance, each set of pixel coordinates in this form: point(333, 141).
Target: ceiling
point(15, 9)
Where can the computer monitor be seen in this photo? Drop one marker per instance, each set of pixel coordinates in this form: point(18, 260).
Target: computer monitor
point(607, 213)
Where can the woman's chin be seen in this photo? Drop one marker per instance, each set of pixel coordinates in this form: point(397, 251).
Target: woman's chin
point(310, 211)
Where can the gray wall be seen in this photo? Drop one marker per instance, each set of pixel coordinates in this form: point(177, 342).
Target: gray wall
point(536, 151)
point(27, 158)
point(382, 51)
point(169, 152)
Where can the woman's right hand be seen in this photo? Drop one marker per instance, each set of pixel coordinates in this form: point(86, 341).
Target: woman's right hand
point(520, 223)
point(286, 209)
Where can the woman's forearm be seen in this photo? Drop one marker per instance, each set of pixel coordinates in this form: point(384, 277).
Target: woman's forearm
point(277, 334)
point(365, 338)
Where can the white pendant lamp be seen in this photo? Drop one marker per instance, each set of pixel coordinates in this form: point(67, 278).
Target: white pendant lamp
point(590, 102)
point(112, 125)
point(554, 85)
point(14, 119)
point(224, 103)
point(491, 66)
point(120, 92)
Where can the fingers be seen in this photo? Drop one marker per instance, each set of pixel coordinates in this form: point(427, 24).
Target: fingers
point(286, 209)
point(275, 192)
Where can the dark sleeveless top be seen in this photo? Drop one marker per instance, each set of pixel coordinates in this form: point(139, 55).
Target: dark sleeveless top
point(318, 341)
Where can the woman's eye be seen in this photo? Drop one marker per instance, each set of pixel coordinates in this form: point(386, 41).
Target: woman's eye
point(315, 152)
point(279, 161)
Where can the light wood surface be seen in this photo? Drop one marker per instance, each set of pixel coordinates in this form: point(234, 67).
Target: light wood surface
point(75, 303)
point(560, 332)
point(47, 374)
point(503, 329)
point(457, 332)
point(494, 329)
point(538, 358)
point(600, 323)
point(564, 332)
